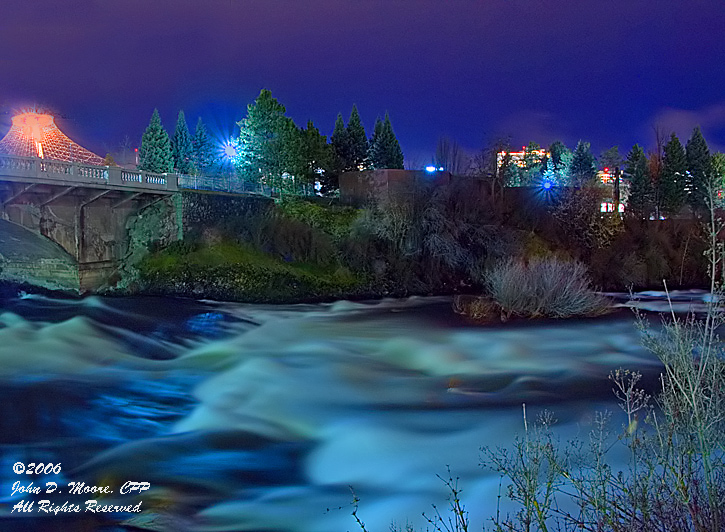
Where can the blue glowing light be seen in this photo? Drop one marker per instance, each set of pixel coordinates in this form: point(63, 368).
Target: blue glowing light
point(547, 185)
point(230, 150)
point(430, 169)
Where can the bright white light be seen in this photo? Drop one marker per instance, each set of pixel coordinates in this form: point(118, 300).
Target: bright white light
point(229, 151)
point(430, 169)
point(440, 168)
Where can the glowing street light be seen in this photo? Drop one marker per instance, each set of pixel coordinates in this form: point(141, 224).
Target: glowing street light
point(229, 150)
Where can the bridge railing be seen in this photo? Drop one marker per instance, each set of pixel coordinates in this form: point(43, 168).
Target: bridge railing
point(47, 169)
point(223, 183)
point(34, 168)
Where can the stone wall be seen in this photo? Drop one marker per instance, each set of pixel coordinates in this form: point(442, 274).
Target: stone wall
point(204, 216)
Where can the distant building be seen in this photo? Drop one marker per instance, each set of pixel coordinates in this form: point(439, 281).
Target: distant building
point(617, 190)
point(518, 157)
point(36, 135)
point(606, 177)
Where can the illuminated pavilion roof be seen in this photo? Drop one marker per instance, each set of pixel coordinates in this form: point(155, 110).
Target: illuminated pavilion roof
point(36, 135)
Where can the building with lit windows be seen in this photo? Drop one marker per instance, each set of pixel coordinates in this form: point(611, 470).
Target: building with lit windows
point(518, 158)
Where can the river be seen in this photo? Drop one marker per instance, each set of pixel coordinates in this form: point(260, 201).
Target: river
point(247, 417)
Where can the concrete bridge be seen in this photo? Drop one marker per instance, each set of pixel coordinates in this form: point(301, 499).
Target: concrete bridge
point(65, 225)
point(81, 208)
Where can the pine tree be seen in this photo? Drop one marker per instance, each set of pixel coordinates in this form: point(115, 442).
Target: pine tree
point(672, 192)
point(556, 177)
point(203, 150)
point(375, 146)
point(393, 151)
point(557, 149)
point(549, 177)
point(583, 169)
point(357, 140)
point(265, 139)
point(155, 151)
point(385, 149)
point(181, 147)
point(699, 170)
point(611, 159)
point(641, 194)
point(340, 142)
point(562, 169)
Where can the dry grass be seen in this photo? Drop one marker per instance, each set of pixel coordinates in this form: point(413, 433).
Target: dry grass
point(543, 287)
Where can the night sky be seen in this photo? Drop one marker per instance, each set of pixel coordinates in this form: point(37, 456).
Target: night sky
point(604, 71)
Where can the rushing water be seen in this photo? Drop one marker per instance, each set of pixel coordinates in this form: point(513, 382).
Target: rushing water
point(250, 417)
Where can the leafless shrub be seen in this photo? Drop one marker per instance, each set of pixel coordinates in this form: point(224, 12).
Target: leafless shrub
point(543, 287)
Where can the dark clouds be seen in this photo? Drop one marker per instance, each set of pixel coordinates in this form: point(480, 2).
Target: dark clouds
point(471, 69)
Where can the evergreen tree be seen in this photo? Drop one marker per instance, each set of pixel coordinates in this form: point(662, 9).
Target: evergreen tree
point(181, 147)
point(641, 194)
point(203, 149)
point(549, 177)
point(699, 170)
point(557, 177)
point(583, 168)
point(611, 159)
point(340, 141)
point(357, 140)
point(672, 192)
point(393, 150)
point(563, 167)
point(155, 152)
point(560, 160)
point(557, 149)
point(375, 146)
point(266, 141)
point(718, 170)
point(315, 158)
point(385, 149)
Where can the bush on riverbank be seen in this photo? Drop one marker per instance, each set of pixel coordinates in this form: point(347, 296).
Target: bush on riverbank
point(543, 287)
